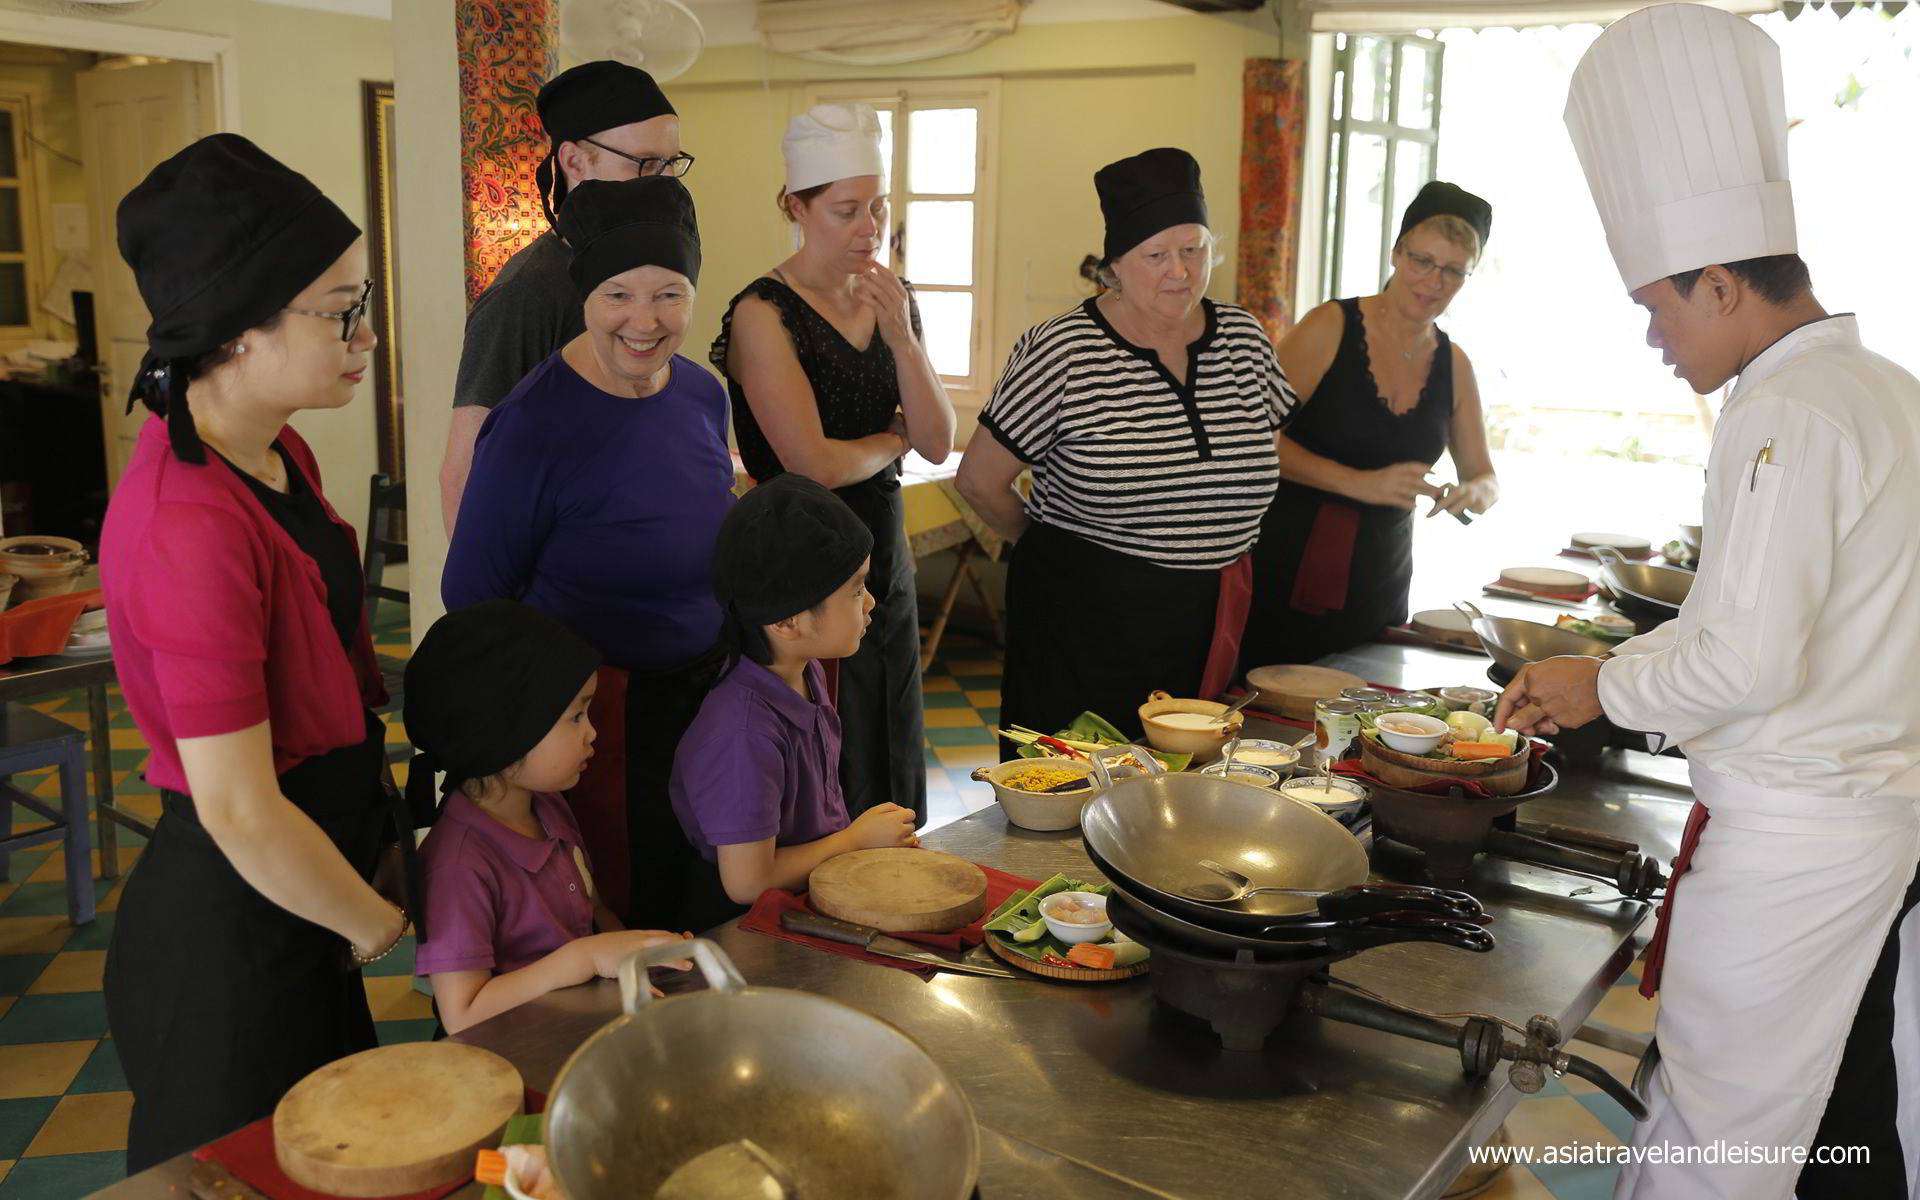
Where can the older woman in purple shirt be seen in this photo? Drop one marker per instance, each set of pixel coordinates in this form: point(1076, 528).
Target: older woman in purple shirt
point(597, 490)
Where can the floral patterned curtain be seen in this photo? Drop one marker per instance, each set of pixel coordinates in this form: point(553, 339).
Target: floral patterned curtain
point(506, 51)
point(1272, 156)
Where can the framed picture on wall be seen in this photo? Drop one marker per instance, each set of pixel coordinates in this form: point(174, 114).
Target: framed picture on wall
point(388, 408)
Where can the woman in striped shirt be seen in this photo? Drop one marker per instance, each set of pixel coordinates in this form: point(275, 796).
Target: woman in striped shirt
point(1149, 416)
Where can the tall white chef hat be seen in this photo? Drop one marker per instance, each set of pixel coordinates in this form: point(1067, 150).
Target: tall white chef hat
point(1678, 115)
point(832, 141)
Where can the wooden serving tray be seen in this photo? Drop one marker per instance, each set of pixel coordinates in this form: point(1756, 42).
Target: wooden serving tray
point(1503, 776)
point(1071, 974)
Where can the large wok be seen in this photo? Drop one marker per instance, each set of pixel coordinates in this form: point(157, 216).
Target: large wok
point(1644, 589)
point(844, 1102)
point(1514, 643)
point(1319, 939)
point(1151, 832)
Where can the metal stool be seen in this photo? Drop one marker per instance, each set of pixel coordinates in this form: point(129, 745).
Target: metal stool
point(31, 741)
point(385, 501)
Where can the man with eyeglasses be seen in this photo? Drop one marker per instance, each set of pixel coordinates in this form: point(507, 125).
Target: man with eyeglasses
point(607, 121)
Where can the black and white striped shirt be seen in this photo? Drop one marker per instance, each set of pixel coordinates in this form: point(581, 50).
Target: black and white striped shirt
point(1126, 456)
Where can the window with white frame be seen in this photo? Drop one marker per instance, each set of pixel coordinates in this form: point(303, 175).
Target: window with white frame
point(1383, 139)
point(937, 138)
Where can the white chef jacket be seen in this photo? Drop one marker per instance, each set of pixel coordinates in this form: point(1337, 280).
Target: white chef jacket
point(1791, 665)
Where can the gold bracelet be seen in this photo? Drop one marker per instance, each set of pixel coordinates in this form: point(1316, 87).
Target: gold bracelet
point(406, 926)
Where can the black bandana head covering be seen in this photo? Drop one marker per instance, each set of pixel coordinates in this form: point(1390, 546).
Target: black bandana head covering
point(1142, 195)
point(220, 237)
point(484, 688)
point(783, 549)
point(585, 100)
point(1444, 199)
point(615, 227)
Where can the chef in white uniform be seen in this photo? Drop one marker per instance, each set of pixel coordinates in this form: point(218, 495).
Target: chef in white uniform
point(1791, 983)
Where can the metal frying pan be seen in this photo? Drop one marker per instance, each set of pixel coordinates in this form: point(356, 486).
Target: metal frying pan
point(1347, 936)
point(1514, 643)
point(1656, 590)
point(1153, 831)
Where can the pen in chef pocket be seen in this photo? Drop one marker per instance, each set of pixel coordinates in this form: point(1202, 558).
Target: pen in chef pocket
point(1765, 456)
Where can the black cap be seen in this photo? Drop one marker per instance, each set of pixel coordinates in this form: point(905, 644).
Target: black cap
point(485, 687)
point(1142, 195)
point(616, 226)
point(787, 546)
point(588, 99)
point(220, 237)
point(1444, 199)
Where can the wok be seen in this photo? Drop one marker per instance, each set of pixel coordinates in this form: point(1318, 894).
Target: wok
point(844, 1102)
point(1651, 590)
point(1514, 643)
point(1334, 939)
point(1152, 831)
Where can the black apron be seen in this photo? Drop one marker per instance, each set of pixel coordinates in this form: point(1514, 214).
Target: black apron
point(1093, 630)
point(882, 756)
point(661, 704)
point(218, 999)
point(1346, 420)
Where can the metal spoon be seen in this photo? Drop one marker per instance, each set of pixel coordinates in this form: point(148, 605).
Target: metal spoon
point(1236, 706)
point(1242, 887)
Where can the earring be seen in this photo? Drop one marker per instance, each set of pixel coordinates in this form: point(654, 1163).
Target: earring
point(240, 349)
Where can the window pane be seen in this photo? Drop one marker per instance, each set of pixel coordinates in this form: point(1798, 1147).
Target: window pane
point(1372, 59)
point(12, 238)
point(1412, 167)
point(13, 294)
point(941, 149)
point(1414, 93)
point(886, 138)
point(9, 163)
point(946, 320)
point(1360, 239)
point(940, 241)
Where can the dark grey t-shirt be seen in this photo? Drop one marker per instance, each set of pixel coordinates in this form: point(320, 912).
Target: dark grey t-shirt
point(530, 310)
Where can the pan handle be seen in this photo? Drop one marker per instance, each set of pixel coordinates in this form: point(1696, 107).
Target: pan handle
point(1390, 928)
point(1367, 899)
point(715, 967)
point(1469, 610)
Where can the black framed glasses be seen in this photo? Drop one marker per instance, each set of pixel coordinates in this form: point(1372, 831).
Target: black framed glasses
point(1425, 265)
point(675, 166)
point(349, 317)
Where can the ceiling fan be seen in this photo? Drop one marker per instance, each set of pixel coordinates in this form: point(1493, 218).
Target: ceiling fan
point(661, 37)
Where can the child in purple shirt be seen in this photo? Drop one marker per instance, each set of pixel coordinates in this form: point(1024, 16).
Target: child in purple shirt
point(756, 780)
point(496, 696)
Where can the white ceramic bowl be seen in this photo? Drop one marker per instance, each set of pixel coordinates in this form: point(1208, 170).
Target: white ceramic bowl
point(1295, 789)
point(1411, 733)
point(1277, 757)
point(1067, 931)
point(1254, 774)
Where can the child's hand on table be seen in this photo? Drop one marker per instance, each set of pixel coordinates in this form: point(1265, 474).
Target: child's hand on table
point(606, 951)
point(884, 825)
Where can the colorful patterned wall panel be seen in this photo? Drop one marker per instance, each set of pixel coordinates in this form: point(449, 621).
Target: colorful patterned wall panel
point(1272, 159)
point(507, 50)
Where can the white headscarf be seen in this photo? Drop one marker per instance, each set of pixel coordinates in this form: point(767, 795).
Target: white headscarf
point(830, 142)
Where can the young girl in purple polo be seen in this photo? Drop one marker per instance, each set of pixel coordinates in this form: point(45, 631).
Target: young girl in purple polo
point(496, 696)
point(756, 781)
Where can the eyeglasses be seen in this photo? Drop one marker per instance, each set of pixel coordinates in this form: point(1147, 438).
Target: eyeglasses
point(675, 166)
point(1424, 266)
point(349, 317)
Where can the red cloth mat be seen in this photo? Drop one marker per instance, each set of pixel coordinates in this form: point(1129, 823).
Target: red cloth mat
point(43, 626)
point(764, 917)
point(248, 1153)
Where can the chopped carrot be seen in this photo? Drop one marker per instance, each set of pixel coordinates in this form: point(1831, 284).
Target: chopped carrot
point(1472, 750)
point(490, 1167)
point(1086, 954)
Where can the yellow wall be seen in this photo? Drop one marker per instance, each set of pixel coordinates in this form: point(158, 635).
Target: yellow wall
point(46, 77)
point(1073, 97)
point(299, 74)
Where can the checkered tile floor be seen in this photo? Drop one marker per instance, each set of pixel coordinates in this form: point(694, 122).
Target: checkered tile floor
point(63, 1098)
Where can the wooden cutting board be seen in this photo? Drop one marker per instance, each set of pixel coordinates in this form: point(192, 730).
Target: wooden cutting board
point(396, 1120)
point(1291, 690)
point(900, 890)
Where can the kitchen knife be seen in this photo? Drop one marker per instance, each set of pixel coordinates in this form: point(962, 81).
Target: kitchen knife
point(875, 942)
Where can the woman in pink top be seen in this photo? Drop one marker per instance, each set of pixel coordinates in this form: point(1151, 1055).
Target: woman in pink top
point(234, 596)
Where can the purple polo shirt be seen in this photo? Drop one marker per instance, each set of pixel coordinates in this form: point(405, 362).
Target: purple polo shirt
point(760, 761)
point(499, 900)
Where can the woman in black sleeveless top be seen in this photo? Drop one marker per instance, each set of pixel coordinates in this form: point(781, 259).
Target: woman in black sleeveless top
point(1386, 392)
point(830, 379)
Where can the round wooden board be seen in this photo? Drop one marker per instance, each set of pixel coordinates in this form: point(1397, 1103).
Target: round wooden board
point(1070, 974)
point(899, 890)
point(1291, 690)
point(397, 1120)
point(1446, 625)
